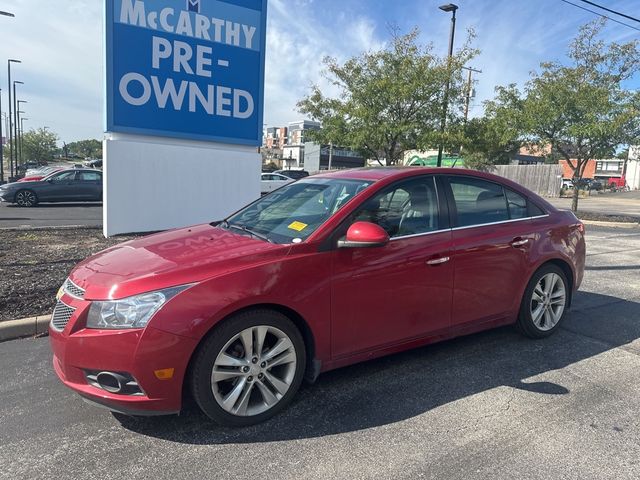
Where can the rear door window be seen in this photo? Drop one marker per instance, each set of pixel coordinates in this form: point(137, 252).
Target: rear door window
point(478, 201)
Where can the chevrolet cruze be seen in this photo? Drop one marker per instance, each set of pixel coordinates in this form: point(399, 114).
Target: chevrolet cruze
point(324, 272)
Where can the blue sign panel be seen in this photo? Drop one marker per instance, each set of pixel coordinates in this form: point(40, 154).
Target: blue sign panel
point(189, 69)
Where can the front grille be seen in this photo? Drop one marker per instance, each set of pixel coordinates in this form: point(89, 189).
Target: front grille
point(72, 289)
point(61, 315)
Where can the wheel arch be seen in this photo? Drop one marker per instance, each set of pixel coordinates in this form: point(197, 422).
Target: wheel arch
point(313, 364)
point(566, 269)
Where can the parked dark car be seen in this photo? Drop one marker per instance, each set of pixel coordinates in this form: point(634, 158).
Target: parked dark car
point(96, 163)
point(76, 185)
point(295, 174)
point(596, 185)
point(324, 272)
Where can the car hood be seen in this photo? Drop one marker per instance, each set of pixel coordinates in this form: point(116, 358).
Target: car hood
point(167, 259)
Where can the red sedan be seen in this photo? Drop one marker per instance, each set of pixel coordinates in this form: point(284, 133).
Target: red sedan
point(325, 272)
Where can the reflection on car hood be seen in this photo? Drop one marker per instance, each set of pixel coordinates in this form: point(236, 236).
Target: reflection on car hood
point(175, 257)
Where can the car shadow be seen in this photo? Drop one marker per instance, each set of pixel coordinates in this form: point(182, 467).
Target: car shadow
point(402, 386)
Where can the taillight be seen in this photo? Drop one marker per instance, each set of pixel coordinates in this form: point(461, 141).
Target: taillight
point(580, 227)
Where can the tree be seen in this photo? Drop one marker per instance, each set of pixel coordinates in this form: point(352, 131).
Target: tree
point(39, 145)
point(90, 148)
point(494, 138)
point(581, 109)
point(389, 100)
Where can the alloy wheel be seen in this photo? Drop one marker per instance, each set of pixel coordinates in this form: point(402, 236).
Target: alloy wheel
point(25, 198)
point(254, 370)
point(548, 301)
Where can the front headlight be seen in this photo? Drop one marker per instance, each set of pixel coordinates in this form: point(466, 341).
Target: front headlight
point(131, 312)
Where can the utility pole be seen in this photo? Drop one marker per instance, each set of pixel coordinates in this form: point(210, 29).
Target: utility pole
point(467, 98)
point(330, 155)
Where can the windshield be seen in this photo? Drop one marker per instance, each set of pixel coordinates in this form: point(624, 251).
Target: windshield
point(292, 213)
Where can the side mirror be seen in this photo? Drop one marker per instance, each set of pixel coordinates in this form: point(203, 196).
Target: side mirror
point(364, 234)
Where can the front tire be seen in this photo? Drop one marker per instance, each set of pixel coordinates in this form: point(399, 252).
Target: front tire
point(544, 302)
point(26, 198)
point(249, 368)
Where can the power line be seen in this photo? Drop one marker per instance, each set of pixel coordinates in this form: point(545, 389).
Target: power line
point(600, 15)
point(611, 11)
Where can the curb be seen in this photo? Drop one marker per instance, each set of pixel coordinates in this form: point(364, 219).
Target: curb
point(603, 223)
point(24, 327)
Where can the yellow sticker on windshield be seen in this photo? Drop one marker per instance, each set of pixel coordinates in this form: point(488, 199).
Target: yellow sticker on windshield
point(298, 226)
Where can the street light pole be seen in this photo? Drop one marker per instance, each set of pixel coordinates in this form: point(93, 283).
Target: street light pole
point(19, 139)
point(449, 7)
point(6, 14)
point(19, 133)
point(22, 119)
point(15, 123)
point(11, 146)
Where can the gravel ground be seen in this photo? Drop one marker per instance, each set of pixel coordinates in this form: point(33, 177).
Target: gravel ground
point(34, 263)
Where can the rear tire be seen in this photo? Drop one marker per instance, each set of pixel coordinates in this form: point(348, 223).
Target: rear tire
point(26, 198)
point(544, 302)
point(249, 368)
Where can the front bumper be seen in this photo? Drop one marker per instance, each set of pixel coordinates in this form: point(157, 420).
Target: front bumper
point(6, 196)
point(138, 352)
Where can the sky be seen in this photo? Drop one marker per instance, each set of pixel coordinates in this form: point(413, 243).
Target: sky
point(60, 44)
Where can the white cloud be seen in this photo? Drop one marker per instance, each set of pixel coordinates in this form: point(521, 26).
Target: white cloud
point(296, 44)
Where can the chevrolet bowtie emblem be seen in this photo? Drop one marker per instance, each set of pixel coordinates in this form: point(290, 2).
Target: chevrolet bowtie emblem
point(193, 6)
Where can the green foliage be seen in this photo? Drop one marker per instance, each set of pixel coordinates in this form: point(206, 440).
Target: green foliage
point(389, 100)
point(39, 145)
point(494, 138)
point(581, 109)
point(90, 148)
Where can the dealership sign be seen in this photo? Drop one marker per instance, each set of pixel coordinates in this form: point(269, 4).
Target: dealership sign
point(189, 69)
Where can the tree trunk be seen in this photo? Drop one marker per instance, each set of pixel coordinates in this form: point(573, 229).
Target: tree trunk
point(574, 200)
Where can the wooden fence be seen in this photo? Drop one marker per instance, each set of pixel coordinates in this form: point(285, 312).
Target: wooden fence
point(545, 180)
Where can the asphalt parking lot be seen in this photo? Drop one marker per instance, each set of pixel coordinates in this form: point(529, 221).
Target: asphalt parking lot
point(491, 405)
point(51, 215)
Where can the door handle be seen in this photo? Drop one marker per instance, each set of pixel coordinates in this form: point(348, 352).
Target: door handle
point(438, 261)
point(519, 242)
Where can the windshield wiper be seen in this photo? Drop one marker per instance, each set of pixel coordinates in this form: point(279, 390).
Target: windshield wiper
point(244, 228)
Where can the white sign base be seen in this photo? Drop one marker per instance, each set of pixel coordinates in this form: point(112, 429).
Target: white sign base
point(153, 183)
